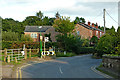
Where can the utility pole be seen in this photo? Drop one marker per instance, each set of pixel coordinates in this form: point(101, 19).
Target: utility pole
point(104, 20)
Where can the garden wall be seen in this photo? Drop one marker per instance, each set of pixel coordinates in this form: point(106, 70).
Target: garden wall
point(112, 63)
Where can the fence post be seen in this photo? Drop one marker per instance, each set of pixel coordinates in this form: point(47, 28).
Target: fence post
point(8, 58)
point(5, 54)
point(30, 53)
point(25, 50)
point(37, 50)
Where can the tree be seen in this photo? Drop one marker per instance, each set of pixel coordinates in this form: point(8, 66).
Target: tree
point(45, 20)
point(63, 25)
point(51, 21)
point(32, 21)
point(82, 20)
point(79, 20)
point(57, 15)
point(94, 40)
point(10, 36)
point(106, 44)
point(39, 14)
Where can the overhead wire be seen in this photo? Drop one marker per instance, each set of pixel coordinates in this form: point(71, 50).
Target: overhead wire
point(112, 18)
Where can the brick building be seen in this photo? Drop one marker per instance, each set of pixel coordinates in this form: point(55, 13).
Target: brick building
point(34, 32)
point(86, 31)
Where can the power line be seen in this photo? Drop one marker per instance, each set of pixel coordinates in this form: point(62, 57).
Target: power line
point(112, 17)
point(98, 15)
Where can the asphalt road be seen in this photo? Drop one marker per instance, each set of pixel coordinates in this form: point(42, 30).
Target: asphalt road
point(70, 67)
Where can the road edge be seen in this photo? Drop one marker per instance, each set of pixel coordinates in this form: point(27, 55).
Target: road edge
point(100, 73)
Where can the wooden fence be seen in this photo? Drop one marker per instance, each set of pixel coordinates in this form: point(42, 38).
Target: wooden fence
point(19, 54)
point(16, 54)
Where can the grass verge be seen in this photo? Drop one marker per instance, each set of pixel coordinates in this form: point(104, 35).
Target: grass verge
point(106, 72)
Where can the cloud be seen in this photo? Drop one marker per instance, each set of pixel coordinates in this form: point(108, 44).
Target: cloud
point(89, 9)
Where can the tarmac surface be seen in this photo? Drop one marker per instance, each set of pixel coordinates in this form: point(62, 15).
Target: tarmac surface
point(70, 67)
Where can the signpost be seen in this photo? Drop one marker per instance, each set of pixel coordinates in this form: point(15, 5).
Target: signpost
point(46, 39)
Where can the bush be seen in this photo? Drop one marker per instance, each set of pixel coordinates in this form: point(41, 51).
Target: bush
point(68, 54)
point(86, 50)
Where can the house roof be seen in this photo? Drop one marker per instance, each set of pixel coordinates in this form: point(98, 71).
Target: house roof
point(36, 28)
point(89, 27)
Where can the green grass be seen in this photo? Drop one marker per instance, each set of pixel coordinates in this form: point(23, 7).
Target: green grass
point(106, 72)
point(111, 55)
point(68, 54)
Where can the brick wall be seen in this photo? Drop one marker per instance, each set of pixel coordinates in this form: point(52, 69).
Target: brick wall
point(50, 30)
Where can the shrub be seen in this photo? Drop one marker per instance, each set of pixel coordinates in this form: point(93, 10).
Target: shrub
point(68, 54)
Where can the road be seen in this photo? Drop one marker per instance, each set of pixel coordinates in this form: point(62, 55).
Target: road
point(70, 67)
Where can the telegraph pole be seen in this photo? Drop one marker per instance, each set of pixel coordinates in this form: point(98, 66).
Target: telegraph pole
point(104, 20)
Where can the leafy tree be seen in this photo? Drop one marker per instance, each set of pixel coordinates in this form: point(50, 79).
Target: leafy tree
point(94, 40)
point(39, 15)
point(82, 20)
point(79, 20)
point(32, 21)
point(69, 43)
point(63, 25)
point(10, 36)
point(106, 44)
point(45, 20)
point(51, 21)
point(26, 38)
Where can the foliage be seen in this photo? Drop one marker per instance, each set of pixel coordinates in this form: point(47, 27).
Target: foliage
point(63, 25)
point(8, 24)
point(57, 15)
point(10, 36)
point(26, 38)
point(39, 14)
point(106, 44)
point(71, 43)
point(86, 50)
point(110, 42)
point(79, 20)
point(93, 41)
point(68, 54)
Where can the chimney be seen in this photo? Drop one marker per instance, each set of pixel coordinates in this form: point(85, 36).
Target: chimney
point(93, 25)
point(96, 25)
point(88, 23)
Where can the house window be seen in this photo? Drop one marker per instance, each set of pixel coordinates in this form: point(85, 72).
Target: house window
point(91, 33)
point(78, 32)
point(100, 34)
point(96, 33)
point(34, 35)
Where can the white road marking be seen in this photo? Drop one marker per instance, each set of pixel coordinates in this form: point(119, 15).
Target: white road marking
point(60, 70)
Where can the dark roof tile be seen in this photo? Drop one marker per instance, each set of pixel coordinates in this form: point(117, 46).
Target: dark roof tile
point(36, 28)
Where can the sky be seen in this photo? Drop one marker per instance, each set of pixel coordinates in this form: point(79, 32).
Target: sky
point(91, 10)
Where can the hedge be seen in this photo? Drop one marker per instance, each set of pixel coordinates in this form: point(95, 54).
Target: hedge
point(17, 44)
point(84, 50)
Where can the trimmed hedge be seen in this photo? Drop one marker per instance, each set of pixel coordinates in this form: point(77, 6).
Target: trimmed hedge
point(84, 50)
point(17, 44)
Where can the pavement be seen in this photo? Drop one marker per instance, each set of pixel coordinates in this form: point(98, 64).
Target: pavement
point(70, 67)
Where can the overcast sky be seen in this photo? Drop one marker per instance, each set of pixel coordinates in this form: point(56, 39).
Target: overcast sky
point(91, 10)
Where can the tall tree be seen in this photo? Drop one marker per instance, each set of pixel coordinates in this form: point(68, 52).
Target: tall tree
point(79, 20)
point(57, 15)
point(39, 14)
point(63, 25)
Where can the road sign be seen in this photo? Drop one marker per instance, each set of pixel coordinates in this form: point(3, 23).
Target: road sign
point(46, 39)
